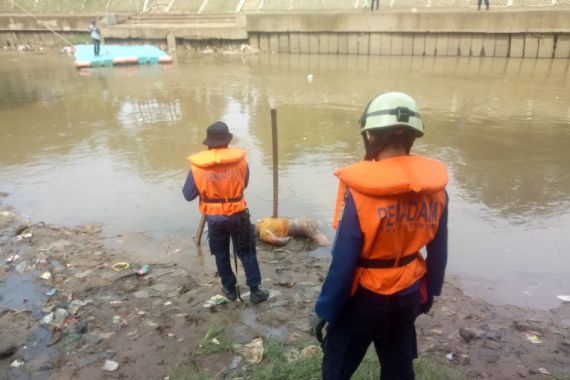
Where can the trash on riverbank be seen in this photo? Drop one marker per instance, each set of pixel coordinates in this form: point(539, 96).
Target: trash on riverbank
point(215, 301)
point(46, 276)
point(251, 352)
point(23, 236)
point(119, 267)
point(17, 363)
point(12, 258)
point(51, 292)
point(144, 270)
point(110, 366)
point(533, 338)
point(451, 356)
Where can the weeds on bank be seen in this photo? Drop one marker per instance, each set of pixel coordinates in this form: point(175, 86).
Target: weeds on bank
point(277, 366)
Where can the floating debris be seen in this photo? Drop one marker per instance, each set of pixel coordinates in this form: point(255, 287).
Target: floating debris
point(563, 298)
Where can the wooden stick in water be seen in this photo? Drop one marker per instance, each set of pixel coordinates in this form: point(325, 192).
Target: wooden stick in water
point(275, 162)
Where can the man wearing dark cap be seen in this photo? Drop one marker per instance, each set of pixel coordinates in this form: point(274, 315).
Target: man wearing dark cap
point(219, 177)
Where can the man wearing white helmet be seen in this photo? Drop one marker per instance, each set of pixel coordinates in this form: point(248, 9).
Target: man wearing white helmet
point(389, 206)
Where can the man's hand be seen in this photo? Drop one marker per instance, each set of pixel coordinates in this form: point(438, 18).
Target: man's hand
point(426, 306)
point(317, 325)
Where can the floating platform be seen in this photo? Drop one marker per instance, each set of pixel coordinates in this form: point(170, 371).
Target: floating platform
point(113, 55)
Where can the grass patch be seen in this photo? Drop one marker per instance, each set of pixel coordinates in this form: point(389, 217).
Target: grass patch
point(216, 333)
point(275, 366)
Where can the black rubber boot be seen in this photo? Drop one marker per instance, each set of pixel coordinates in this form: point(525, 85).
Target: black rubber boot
point(258, 295)
point(230, 294)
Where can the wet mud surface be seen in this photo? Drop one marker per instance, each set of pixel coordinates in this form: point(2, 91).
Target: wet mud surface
point(149, 324)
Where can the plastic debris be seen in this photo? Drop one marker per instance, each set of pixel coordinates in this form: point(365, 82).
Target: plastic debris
point(144, 270)
point(563, 298)
point(27, 235)
point(51, 292)
point(17, 363)
point(71, 338)
point(12, 258)
point(215, 341)
point(251, 352)
point(533, 338)
point(450, 356)
point(59, 316)
point(46, 276)
point(110, 366)
point(41, 261)
point(310, 78)
point(119, 267)
point(47, 319)
point(544, 371)
point(75, 305)
point(215, 301)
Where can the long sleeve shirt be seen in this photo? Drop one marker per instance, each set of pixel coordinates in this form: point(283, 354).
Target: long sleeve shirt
point(346, 250)
point(190, 192)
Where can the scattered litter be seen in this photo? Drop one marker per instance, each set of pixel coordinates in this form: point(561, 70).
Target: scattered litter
point(533, 338)
point(167, 303)
point(75, 305)
point(41, 261)
point(119, 267)
point(144, 270)
point(110, 366)
point(71, 338)
point(251, 352)
point(563, 298)
point(46, 276)
point(12, 258)
point(287, 284)
point(450, 356)
point(51, 292)
point(310, 78)
point(59, 316)
point(47, 319)
point(17, 363)
point(215, 301)
point(142, 312)
point(24, 236)
point(544, 371)
point(215, 341)
point(310, 351)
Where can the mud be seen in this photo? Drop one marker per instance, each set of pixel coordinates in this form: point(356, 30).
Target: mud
point(150, 324)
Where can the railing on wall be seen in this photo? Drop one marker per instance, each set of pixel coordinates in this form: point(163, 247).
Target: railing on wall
point(229, 6)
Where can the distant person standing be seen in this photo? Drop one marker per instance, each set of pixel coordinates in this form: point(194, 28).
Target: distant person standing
point(95, 35)
point(377, 2)
point(479, 4)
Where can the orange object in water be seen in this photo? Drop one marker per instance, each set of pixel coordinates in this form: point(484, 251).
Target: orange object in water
point(399, 202)
point(219, 175)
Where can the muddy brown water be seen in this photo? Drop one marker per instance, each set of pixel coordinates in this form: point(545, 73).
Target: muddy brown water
point(109, 146)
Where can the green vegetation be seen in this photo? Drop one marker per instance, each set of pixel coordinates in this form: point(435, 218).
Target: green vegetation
point(278, 363)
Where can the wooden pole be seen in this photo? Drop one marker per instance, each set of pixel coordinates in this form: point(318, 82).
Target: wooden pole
point(275, 162)
point(200, 231)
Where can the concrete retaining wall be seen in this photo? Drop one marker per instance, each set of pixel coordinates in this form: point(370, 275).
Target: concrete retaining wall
point(528, 45)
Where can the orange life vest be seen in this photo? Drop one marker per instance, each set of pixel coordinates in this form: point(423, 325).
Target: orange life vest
point(399, 202)
point(219, 175)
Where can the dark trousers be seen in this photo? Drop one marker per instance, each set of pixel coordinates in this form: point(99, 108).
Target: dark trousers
point(96, 46)
point(219, 234)
point(479, 3)
point(386, 321)
point(377, 2)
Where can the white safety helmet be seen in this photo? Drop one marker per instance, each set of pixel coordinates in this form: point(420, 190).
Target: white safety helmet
point(392, 109)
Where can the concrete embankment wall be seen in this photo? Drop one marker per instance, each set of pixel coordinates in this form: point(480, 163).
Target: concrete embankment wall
point(528, 33)
point(532, 34)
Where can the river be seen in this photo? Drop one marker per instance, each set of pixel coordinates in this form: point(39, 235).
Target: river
point(109, 146)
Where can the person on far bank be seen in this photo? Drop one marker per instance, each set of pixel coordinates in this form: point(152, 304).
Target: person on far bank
point(389, 206)
point(479, 4)
point(374, 2)
point(95, 35)
point(219, 176)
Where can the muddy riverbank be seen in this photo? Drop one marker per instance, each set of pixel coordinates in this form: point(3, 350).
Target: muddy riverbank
point(149, 324)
